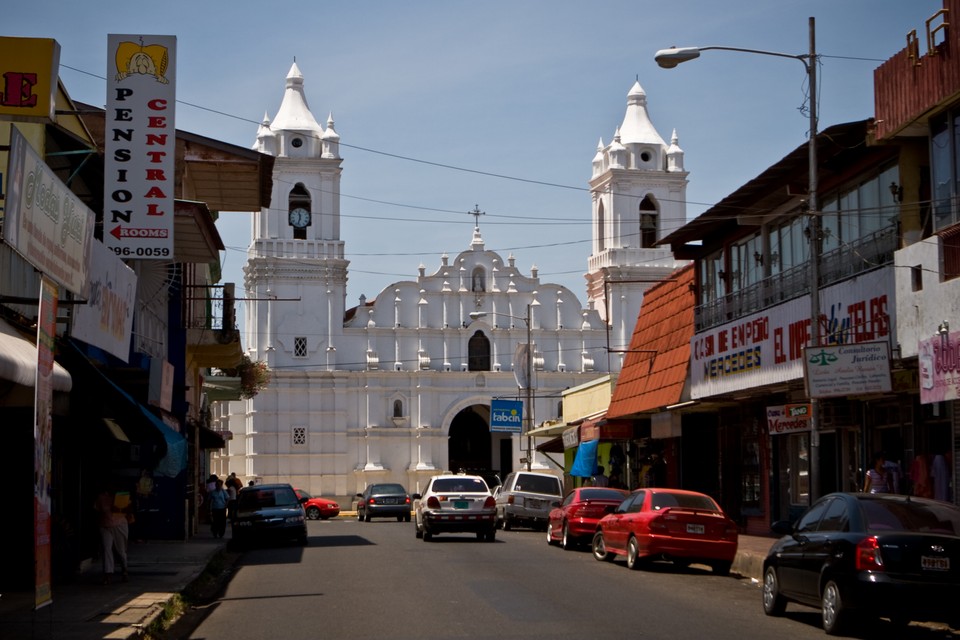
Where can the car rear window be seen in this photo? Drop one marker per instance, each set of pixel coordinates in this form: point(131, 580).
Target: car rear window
point(260, 498)
point(922, 517)
point(388, 488)
point(537, 484)
point(601, 494)
point(459, 485)
point(683, 500)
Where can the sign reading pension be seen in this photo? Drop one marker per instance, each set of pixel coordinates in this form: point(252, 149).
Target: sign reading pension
point(506, 415)
point(140, 146)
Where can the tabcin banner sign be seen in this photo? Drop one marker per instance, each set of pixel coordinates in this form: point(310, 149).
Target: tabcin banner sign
point(140, 143)
point(506, 416)
point(940, 368)
point(106, 321)
point(44, 221)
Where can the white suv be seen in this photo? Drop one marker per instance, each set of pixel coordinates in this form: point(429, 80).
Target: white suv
point(456, 503)
point(526, 498)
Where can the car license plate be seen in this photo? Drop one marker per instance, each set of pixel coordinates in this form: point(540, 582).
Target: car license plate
point(933, 563)
point(389, 500)
point(695, 528)
point(461, 504)
point(533, 503)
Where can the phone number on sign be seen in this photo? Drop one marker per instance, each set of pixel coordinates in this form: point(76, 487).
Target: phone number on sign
point(145, 252)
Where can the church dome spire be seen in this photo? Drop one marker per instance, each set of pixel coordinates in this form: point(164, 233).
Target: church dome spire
point(294, 116)
point(637, 127)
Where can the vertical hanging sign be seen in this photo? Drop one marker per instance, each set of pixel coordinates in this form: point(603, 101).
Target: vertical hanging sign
point(42, 436)
point(140, 146)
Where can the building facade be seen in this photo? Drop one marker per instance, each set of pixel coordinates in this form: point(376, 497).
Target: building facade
point(399, 387)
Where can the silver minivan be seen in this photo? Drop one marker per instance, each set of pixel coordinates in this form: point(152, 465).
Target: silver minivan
point(525, 499)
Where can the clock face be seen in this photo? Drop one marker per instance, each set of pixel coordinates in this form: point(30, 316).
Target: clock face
point(299, 217)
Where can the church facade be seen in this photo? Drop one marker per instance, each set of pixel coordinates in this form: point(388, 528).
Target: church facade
point(399, 388)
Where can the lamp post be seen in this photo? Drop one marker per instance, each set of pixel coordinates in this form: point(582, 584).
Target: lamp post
point(670, 58)
point(528, 387)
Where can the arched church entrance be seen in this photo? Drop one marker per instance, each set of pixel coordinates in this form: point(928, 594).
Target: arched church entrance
point(472, 448)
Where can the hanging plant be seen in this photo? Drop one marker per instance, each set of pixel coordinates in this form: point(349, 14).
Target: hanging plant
point(254, 376)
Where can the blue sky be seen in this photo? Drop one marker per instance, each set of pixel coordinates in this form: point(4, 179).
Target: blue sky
point(520, 89)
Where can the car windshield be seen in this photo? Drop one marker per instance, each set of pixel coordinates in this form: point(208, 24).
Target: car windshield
point(304, 494)
point(921, 517)
point(684, 500)
point(459, 485)
point(537, 484)
point(601, 494)
point(387, 488)
point(261, 498)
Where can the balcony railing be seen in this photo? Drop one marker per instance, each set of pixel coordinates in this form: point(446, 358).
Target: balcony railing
point(865, 254)
point(210, 307)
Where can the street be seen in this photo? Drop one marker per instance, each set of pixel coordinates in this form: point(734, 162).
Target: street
point(376, 580)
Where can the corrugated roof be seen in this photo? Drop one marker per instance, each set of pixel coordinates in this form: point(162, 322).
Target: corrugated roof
point(655, 368)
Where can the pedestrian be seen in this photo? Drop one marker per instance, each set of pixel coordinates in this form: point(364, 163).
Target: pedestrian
point(877, 480)
point(112, 507)
point(600, 480)
point(218, 510)
point(232, 498)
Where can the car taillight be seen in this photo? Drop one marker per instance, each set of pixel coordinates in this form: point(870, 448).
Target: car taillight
point(407, 500)
point(371, 501)
point(489, 503)
point(433, 502)
point(657, 525)
point(868, 555)
point(510, 500)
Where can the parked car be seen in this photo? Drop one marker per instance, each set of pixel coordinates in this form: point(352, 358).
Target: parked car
point(318, 508)
point(575, 519)
point(526, 498)
point(455, 503)
point(859, 554)
point(384, 501)
point(684, 527)
point(269, 512)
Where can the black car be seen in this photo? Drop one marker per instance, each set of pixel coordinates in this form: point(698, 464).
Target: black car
point(859, 554)
point(384, 501)
point(269, 513)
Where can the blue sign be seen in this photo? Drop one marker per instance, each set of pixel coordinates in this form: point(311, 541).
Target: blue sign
point(506, 415)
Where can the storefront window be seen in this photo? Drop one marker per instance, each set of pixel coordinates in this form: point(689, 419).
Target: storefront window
point(794, 473)
point(750, 453)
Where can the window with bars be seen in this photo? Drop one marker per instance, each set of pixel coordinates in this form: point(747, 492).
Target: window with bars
point(300, 347)
point(299, 437)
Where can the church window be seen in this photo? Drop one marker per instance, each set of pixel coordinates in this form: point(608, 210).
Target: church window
point(478, 282)
point(648, 223)
point(299, 437)
point(297, 143)
point(601, 229)
point(300, 347)
point(299, 198)
point(478, 352)
point(398, 408)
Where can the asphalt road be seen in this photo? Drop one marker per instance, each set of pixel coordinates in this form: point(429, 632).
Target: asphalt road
point(376, 580)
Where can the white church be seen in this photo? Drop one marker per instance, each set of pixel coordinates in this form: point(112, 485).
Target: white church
point(398, 388)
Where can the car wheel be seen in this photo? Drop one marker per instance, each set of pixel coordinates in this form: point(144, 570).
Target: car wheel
point(427, 536)
point(774, 604)
point(721, 567)
point(633, 553)
point(566, 540)
point(507, 525)
point(600, 548)
point(836, 617)
point(313, 513)
point(366, 517)
point(491, 535)
point(406, 518)
point(550, 534)
point(399, 518)
point(359, 515)
point(418, 530)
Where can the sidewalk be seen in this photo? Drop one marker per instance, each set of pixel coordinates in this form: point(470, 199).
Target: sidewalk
point(88, 610)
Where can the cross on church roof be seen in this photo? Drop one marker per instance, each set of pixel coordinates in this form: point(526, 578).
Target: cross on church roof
point(476, 213)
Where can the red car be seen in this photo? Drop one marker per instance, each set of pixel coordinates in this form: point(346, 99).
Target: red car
point(668, 524)
point(318, 508)
point(575, 520)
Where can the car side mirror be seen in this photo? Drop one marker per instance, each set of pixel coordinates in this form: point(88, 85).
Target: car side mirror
point(415, 496)
point(359, 495)
point(783, 527)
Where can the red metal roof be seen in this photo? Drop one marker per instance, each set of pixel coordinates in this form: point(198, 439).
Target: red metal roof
point(655, 368)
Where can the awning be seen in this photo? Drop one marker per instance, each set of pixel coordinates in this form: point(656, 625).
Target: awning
point(18, 360)
point(585, 462)
point(548, 430)
point(553, 445)
point(210, 439)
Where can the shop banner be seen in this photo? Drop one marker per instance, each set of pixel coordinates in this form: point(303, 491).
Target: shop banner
point(42, 436)
point(106, 321)
point(506, 416)
point(847, 370)
point(790, 418)
point(140, 146)
point(44, 221)
point(940, 368)
point(29, 68)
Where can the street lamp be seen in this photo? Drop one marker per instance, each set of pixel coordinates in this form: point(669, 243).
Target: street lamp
point(528, 387)
point(670, 58)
